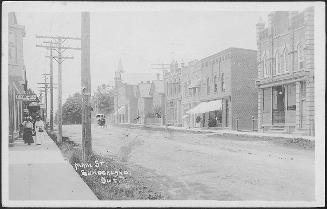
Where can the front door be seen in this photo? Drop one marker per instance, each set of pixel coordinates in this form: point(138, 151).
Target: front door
point(278, 110)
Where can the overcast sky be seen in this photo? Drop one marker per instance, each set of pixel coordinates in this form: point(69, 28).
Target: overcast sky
point(138, 38)
point(140, 34)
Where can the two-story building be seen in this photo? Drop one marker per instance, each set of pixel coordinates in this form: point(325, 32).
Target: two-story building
point(219, 90)
point(145, 102)
point(157, 92)
point(16, 75)
point(191, 83)
point(125, 101)
point(172, 86)
point(286, 72)
point(127, 104)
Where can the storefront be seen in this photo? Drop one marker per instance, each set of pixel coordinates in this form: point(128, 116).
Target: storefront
point(207, 114)
point(279, 105)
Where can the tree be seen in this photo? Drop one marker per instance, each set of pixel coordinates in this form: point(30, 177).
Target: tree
point(103, 99)
point(72, 110)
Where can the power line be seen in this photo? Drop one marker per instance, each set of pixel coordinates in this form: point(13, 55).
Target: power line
point(56, 43)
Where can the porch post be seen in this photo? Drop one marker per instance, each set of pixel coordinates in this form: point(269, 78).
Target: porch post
point(298, 106)
point(260, 108)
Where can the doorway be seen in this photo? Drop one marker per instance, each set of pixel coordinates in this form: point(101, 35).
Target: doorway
point(278, 109)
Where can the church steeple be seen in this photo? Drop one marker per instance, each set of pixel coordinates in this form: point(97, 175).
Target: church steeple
point(118, 72)
point(120, 66)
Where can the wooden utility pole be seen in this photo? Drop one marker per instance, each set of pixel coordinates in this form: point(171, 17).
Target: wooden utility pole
point(59, 138)
point(51, 88)
point(56, 44)
point(86, 85)
point(45, 95)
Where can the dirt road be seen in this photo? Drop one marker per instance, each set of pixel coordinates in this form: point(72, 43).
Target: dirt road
point(195, 166)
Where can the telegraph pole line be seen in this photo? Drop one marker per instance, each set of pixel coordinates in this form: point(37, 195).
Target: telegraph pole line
point(86, 85)
point(161, 66)
point(45, 95)
point(51, 90)
point(51, 86)
point(56, 43)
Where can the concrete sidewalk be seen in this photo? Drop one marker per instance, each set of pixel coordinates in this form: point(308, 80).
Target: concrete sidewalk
point(39, 172)
point(227, 132)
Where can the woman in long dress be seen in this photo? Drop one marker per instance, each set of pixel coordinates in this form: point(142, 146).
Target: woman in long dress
point(28, 135)
point(39, 128)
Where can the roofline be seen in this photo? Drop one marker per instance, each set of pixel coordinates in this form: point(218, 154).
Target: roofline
point(225, 51)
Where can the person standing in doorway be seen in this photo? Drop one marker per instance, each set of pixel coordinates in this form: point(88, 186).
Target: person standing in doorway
point(39, 128)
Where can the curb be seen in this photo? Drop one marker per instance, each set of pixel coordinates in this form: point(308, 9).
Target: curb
point(301, 140)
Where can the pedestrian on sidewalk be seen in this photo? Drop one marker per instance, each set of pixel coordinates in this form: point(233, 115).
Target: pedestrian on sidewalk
point(28, 131)
point(39, 128)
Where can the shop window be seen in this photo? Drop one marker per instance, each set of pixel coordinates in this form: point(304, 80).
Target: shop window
point(291, 97)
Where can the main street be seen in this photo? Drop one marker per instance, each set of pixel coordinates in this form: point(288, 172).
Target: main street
point(197, 166)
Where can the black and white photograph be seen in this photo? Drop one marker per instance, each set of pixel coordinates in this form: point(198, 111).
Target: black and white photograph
point(163, 104)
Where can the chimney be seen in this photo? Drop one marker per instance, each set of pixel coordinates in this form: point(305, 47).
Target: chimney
point(270, 23)
point(158, 76)
point(260, 26)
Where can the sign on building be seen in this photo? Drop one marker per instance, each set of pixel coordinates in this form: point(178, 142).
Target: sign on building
point(26, 97)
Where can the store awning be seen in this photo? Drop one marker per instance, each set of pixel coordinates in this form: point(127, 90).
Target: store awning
point(204, 107)
point(195, 84)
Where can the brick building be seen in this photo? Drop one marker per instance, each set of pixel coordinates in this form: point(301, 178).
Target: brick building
point(125, 100)
point(220, 89)
point(16, 75)
point(172, 86)
point(191, 83)
point(144, 102)
point(157, 92)
point(126, 111)
point(286, 72)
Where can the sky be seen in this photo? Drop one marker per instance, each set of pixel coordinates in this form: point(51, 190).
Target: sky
point(138, 38)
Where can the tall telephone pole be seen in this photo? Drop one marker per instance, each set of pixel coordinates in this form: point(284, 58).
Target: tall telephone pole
point(56, 43)
point(46, 87)
point(86, 85)
point(51, 87)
